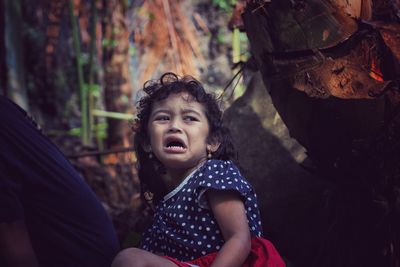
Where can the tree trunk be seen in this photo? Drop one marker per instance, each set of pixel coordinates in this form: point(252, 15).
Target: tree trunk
point(14, 53)
point(118, 90)
point(333, 82)
point(49, 69)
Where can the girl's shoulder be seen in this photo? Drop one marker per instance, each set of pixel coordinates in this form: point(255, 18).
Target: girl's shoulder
point(221, 174)
point(214, 168)
point(220, 165)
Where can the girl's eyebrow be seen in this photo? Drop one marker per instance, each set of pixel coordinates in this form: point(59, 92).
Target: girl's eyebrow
point(188, 110)
point(160, 110)
point(185, 111)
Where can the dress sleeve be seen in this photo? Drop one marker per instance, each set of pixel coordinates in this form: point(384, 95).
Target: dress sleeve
point(220, 175)
point(10, 189)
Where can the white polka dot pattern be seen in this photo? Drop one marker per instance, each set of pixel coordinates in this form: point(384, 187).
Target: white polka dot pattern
point(184, 227)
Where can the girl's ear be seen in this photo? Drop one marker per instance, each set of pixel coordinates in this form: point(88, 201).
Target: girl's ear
point(146, 147)
point(213, 146)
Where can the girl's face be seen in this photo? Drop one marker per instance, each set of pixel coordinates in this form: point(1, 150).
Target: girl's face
point(178, 129)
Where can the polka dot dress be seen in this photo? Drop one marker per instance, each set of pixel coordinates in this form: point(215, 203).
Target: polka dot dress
point(184, 226)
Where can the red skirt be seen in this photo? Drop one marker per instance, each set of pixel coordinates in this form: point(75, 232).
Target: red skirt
point(262, 254)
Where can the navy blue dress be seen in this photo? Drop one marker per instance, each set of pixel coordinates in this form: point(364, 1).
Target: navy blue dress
point(184, 226)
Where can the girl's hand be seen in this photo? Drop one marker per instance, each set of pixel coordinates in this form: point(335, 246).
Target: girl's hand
point(229, 212)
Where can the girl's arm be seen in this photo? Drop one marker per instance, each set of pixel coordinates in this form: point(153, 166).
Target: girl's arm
point(229, 212)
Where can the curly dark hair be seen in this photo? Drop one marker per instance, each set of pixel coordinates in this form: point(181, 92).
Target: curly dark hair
point(150, 169)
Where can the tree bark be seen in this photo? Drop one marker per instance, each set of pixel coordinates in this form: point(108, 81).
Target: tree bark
point(334, 84)
point(117, 78)
point(14, 53)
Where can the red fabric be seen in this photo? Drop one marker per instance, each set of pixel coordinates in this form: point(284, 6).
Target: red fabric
point(262, 254)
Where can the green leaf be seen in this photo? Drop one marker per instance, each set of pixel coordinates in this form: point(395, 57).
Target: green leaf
point(75, 132)
point(132, 51)
point(225, 5)
point(94, 89)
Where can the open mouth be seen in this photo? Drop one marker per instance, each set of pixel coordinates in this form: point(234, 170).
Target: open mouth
point(175, 146)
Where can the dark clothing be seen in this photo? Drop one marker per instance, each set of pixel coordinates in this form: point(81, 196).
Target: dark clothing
point(67, 224)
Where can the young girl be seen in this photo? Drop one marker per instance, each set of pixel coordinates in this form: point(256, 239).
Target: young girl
point(206, 213)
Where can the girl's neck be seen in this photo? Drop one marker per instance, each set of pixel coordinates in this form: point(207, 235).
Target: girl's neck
point(174, 177)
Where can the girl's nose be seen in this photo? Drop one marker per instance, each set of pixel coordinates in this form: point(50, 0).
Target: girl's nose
point(174, 126)
point(174, 130)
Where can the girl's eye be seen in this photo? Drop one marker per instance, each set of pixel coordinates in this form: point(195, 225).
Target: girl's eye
point(190, 118)
point(162, 118)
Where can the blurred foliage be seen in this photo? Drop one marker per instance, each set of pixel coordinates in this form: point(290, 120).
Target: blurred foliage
point(132, 240)
point(99, 129)
point(225, 5)
point(109, 43)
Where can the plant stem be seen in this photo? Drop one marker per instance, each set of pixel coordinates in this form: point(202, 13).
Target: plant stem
point(112, 115)
point(235, 45)
point(82, 88)
point(92, 50)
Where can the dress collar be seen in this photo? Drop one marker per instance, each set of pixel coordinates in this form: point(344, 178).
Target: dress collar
point(182, 184)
